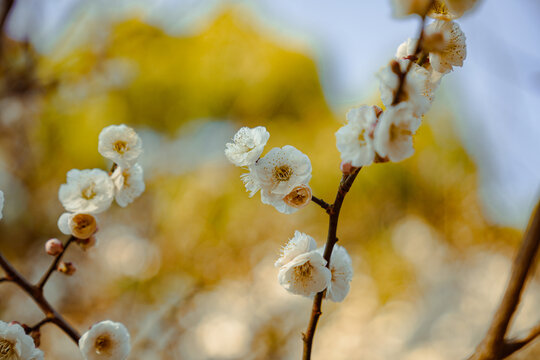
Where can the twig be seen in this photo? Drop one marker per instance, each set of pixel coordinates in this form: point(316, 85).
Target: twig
point(4, 279)
point(511, 347)
point(39, 325)
point(54, 265)
point(36, 293)
point(494, 346)
point(333, 211)
point(320, 202)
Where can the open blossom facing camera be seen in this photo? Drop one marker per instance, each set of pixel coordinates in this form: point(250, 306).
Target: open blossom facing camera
point(121, 144)
point(302, 270)
point(342, 273)
point(16, 345)
point(87, 191)
point(248, 146)
point(393, 136)
point(355, 140)
point(106, 340)
point(129, 184)
point(446, 45)
point(417, 90)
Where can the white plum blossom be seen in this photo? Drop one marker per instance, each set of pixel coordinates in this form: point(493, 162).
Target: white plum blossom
point(355, 140)
point(248, 146)
point(342, 273)
point(408, 7)
point(1, 204)
point(82, 226)
point(305, 275)
point(446, 45)
point(121, 144)
point(299, 197)
point(417, 90)
point(300, 243)
point(89, 191)
point(393, 136)
point(16, 345)
point(106, 340)
point(282, 169)
point(128, 183)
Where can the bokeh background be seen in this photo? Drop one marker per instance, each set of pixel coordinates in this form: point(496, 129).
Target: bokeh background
point(189, 267)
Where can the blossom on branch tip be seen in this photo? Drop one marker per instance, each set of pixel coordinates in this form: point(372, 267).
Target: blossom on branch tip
point(128, 183)
point(342, 273)
point(121, 144)
point(54, 247)
point(393, 135)
point(88, 191)
point(16, 345)
point(417, 90)
point(247, 146)
point(446, 45)
point(355, 140)
point(106, 340)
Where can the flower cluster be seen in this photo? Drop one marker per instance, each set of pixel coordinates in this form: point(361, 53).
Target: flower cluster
point(282, 175)
point(373, 135)
point(304, 271)
point(91, 191)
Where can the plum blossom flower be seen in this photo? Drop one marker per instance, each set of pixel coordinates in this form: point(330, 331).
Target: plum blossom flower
point(355, 140)
point(128, 183)
point(16, 345)
point(299, 244)
point(121, 144)
point(446, 45)
point(82, 226)
point(393, 135)
point(342, 272)
point(282, 169)
point(106, 340)
point(87, 191)
point(417, 90)
point(247, 146)
point(299, 197)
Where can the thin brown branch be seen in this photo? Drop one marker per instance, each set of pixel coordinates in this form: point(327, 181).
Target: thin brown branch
point(417, 51)
point(54, 265)
point(36, 293)
point(4, 279)
point(331, 240)
point(511, 347)
point(320, 202)
point(494, 346)
point(39, 325)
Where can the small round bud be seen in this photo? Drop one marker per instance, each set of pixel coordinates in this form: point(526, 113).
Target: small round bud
point(67, 268)
point(299, 197)
point(83, 226)
point(54, 247)
point(86, 244)
point(346, 168)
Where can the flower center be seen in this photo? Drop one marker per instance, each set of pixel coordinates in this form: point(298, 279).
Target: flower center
point(88, 192)
point(282, 173)
point(103, 344)
point(361, 137)
point(303, 271)
point(120, 146)
point(7, 350)
point(396, 131)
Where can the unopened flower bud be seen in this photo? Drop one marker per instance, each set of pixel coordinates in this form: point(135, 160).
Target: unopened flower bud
point(54, 247)
point(346, 168)
point(67, 268)
point(83, 226)
point(299, 197)
point(86, 244)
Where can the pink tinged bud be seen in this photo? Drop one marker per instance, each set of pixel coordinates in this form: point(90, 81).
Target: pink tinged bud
point(299, 197)
point(54, 247)
point(346, 168)
point(86, 244)
point(83, 226)
point(67, 268)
